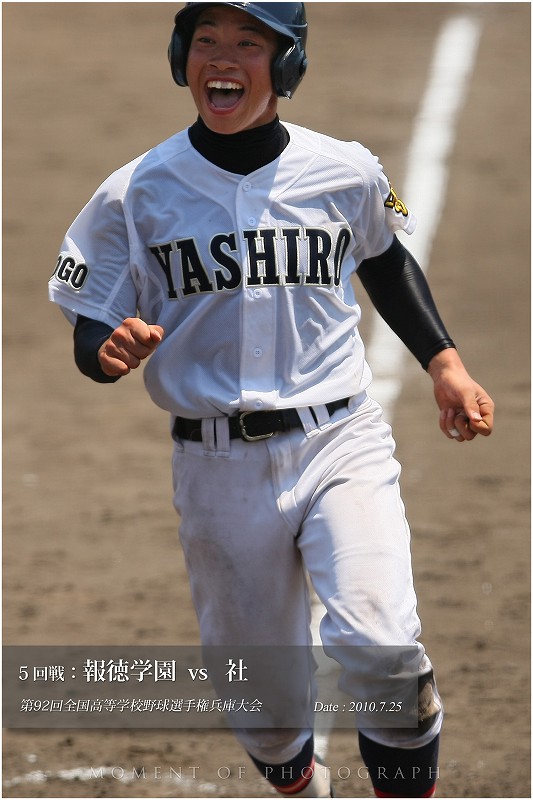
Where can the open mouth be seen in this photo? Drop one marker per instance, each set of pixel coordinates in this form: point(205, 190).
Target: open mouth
point(224, 94)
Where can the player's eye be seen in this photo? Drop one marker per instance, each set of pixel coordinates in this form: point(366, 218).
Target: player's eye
point(204, 40)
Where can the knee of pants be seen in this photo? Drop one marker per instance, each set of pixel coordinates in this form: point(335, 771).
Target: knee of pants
point(429, 704)
point(273, 746)
point(429, 720)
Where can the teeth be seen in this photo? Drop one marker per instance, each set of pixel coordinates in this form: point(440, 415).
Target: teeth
point(223, 85)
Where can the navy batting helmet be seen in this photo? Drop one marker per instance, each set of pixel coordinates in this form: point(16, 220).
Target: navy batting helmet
point(288, 19)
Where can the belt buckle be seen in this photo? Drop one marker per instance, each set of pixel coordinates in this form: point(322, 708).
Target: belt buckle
point(246, 436)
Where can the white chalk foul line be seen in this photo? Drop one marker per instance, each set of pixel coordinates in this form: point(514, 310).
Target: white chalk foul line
point(426, 181)
point(427, 168)
point(172, 781)
point(425, 188)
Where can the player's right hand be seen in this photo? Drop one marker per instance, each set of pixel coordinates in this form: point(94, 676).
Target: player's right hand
point(128, 345)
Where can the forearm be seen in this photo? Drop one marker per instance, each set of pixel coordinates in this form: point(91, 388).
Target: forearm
point(400, 293)
point(89, 336)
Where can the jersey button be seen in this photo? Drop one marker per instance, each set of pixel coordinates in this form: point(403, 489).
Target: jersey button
point(258, 404)
point(258, 352)
point(246, 186)
point(257, 293)
point(251, 220)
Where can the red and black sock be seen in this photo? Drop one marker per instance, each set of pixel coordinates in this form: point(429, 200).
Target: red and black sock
point(398, 772)
point(293, 776)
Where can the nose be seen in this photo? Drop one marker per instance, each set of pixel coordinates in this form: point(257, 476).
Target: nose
point(223, 59)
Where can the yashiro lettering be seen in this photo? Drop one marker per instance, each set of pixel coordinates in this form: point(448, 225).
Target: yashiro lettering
point(273, 257)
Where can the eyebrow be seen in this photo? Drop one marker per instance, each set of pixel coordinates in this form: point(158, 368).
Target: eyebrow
point(245, 27)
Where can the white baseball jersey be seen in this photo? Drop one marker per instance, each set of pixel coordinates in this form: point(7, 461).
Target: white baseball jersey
point(250, 276)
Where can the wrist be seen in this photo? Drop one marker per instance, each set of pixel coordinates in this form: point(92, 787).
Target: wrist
point(445, 359)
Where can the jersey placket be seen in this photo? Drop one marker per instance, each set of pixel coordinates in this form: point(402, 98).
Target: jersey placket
point(257, 364)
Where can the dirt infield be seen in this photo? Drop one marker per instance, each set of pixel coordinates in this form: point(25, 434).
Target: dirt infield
point(90, 545)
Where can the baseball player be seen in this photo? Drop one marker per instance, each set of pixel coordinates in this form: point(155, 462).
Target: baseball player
point(224, 257)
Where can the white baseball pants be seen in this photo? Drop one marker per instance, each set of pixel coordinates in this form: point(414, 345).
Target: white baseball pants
point(255, 516)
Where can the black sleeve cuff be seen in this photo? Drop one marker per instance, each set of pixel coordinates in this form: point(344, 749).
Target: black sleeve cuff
point(89, 336)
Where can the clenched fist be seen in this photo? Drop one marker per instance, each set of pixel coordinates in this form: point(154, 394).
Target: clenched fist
point(128, 345)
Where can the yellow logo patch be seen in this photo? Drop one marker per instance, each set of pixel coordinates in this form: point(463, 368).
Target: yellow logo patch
point(393, 201)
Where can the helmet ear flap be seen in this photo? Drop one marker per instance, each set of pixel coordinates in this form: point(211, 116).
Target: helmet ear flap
point(177, 56)
point(288, 69)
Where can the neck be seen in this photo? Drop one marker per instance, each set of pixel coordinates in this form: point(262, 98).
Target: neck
point(242, 152)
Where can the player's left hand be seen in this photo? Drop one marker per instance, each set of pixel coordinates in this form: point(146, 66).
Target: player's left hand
point(465, 407)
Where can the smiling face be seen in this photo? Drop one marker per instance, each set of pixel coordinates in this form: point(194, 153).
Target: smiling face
point(228, 70)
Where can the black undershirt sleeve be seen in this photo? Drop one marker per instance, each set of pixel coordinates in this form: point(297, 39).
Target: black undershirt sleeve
point(400, 293)
point(89, 336)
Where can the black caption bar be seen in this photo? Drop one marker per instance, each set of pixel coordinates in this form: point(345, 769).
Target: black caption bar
point(211, 687)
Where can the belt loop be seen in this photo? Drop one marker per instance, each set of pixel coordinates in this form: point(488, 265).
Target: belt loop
point(322, 416)
point(222, 436)
point(208, 436)
point(308, 422)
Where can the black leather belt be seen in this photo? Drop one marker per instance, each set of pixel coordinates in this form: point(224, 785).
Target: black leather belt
point(251, 426)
